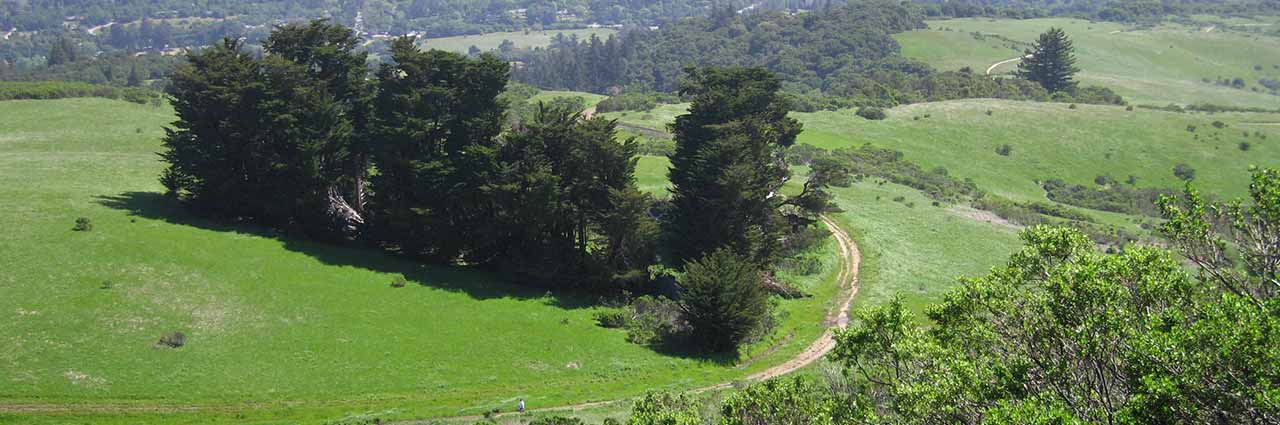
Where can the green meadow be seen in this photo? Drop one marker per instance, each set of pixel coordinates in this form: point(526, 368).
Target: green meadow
point(278, 330)
point(1150, 65)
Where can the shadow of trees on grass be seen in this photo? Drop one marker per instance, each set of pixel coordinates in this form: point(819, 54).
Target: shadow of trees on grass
point(477, 283)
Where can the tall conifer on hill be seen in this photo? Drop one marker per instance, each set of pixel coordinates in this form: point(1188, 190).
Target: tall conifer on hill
point(729, 163)
point(1050, 62)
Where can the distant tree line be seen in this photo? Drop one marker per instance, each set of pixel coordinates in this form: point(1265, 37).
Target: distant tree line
point(836, 57)
point(424, 160)
point(10, 90)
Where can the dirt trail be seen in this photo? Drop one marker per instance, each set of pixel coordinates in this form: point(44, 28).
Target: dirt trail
point(836, 319)
point(94, 30)
point(994, 65)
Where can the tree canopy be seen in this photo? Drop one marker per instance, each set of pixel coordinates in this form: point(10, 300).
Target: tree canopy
point(1050, 62)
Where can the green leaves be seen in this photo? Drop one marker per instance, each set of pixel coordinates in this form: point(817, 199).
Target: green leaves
point(723, 299)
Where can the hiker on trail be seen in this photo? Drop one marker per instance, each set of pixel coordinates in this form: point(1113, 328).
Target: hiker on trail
point(520, 406)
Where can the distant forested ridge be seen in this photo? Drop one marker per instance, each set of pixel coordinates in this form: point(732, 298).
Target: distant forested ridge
point(836, 56)
point(430, 17)
point(809, 49)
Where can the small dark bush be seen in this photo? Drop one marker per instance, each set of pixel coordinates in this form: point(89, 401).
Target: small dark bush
point(653, 321)
point(1219, 125)
point(612, 319)
point(173, 340)
point(1184, 172)
point(1004, 150)
point(910, 204)
point(1244, 146)
point(1129, 108)
point(1191, 128)
point(1072, 106)
point(989, 112)
point(399, 281)
point(83, 225)
point(872, 113)
point(899, 198)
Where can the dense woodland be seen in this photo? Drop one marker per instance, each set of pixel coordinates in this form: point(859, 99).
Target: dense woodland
point(839, 56)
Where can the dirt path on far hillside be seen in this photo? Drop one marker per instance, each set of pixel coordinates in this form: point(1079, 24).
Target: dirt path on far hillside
point(836, 319)
point(994, 65)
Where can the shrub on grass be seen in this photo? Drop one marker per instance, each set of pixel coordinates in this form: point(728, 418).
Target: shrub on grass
point(653, 321)
point(1004, 150)
point(1244, 146)
point(173, 340)
point(899, 198)
point(612, 319)
point(399, 281)
point(1072, 106)
point(83, 225)
point(1219, 125)
point(1184, 172)
point(872, 113)
point(989, 112)
point(1129, 108)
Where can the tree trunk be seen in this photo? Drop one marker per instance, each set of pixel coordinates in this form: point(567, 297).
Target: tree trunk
point(345, 218)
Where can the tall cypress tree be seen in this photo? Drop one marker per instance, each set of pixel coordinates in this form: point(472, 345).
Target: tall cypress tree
point(1050, 62)
point(435, 121)
point(571, 211)
point(729, 164)
point(329, 55)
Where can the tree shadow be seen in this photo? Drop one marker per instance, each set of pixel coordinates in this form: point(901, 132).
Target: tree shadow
point(477, 283)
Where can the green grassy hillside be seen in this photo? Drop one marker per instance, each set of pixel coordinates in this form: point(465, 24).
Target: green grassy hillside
point(277, 329)
point(1159, 65)
point(1050, 140)
point(918, 251)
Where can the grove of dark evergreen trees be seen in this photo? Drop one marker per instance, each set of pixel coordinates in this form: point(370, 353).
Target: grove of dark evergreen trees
point(422, 158)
